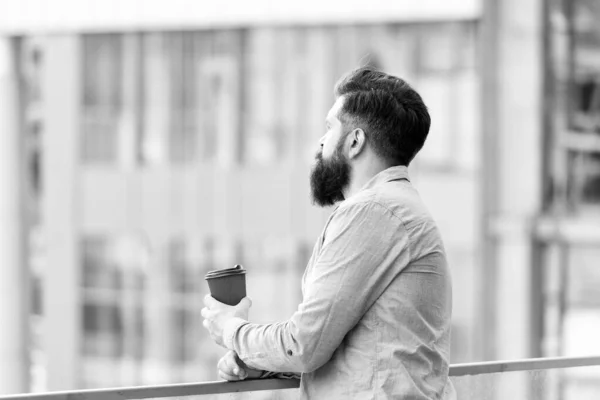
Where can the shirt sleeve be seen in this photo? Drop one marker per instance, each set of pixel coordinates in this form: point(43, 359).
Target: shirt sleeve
point(364, 248)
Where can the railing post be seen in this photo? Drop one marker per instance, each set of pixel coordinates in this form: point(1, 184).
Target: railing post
point(14, 310)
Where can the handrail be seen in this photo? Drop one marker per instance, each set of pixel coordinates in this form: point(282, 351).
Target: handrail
point(172, 390)
point(206, 388)
point(529, 364)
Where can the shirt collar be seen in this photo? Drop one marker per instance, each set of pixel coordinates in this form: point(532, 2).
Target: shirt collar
point(387, 175)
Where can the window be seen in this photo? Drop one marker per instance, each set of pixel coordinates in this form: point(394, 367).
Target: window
point(97, 271)
point(156, 81)
point(183, 127)
point(102, 96)
point(446, 79)
point(262, 144)
point(584, 276)
point(103, 329)
point(169, 132)
point(583, 137)
point(191, 97)
point(113, 282)
point(189, 260)
point(584, 179)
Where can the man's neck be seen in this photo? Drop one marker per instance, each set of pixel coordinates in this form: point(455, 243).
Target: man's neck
point(361, 174)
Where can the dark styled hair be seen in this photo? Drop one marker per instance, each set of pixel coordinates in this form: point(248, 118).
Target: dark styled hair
point(388, 110)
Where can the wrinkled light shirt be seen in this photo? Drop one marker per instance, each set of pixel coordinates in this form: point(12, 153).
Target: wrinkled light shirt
point(374, 322)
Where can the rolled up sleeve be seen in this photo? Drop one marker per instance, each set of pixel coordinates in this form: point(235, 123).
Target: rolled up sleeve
point(364, 247)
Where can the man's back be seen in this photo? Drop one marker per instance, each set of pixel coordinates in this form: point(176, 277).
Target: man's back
point(400, 347)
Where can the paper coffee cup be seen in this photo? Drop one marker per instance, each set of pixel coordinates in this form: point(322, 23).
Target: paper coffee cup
point(227, 285)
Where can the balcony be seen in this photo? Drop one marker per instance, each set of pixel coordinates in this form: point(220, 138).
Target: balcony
point(539, 378)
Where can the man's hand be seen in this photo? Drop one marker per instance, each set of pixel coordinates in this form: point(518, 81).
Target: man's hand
point(231, 368)
point(216, 314)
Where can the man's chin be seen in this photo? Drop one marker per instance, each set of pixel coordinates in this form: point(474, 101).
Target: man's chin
point(321, 203)
point(326, 201)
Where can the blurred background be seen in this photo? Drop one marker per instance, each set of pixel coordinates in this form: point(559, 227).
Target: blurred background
point(143, 144)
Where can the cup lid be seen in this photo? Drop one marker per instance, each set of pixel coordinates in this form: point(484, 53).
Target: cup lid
point(236, 270)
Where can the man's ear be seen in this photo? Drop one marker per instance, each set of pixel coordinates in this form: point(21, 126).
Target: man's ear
point(358, 142)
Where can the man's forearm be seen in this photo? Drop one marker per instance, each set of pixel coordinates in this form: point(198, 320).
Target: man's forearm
point(264, 347)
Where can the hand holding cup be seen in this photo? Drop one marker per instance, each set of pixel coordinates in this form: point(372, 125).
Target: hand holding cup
point(217, 314)
point(227, 300)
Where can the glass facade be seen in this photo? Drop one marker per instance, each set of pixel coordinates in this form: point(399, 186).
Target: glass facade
point(246, 96)
point(193, 152)
point(241, 100)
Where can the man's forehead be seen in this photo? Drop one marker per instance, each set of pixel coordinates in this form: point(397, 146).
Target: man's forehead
point(335, 109)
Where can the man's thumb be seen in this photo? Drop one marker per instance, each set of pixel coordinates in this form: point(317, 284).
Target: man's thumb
point(245, 303)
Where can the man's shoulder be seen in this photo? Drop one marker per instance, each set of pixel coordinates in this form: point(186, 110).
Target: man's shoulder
point(367, 201)
point(368, 206)
point(393, 198)
point(399, 200)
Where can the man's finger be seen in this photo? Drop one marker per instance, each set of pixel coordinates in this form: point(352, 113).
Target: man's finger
point(221, 364)
point(211, 302)
point(228, 377)
point(206, 313)
point(232, 365)
point(246, 302)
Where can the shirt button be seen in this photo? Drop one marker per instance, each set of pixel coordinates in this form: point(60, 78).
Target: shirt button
point(290, 353)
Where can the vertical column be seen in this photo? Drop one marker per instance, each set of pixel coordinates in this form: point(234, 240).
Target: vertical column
point(512, 53)
point(14, 310)
point(61, 87)
point(486, 288)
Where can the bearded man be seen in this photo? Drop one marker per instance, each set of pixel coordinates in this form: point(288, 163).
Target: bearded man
point(374, 321)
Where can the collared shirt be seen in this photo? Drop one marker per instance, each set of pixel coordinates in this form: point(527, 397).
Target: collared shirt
point(374, 322)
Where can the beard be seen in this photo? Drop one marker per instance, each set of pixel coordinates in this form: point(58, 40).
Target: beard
point(328, 178)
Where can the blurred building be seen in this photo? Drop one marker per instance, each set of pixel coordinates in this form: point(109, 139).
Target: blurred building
point(541, 214)
point(163, 142)
point(160, 152)
point(569, 230)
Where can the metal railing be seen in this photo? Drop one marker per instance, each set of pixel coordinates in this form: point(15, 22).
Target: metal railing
point(221, 387)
